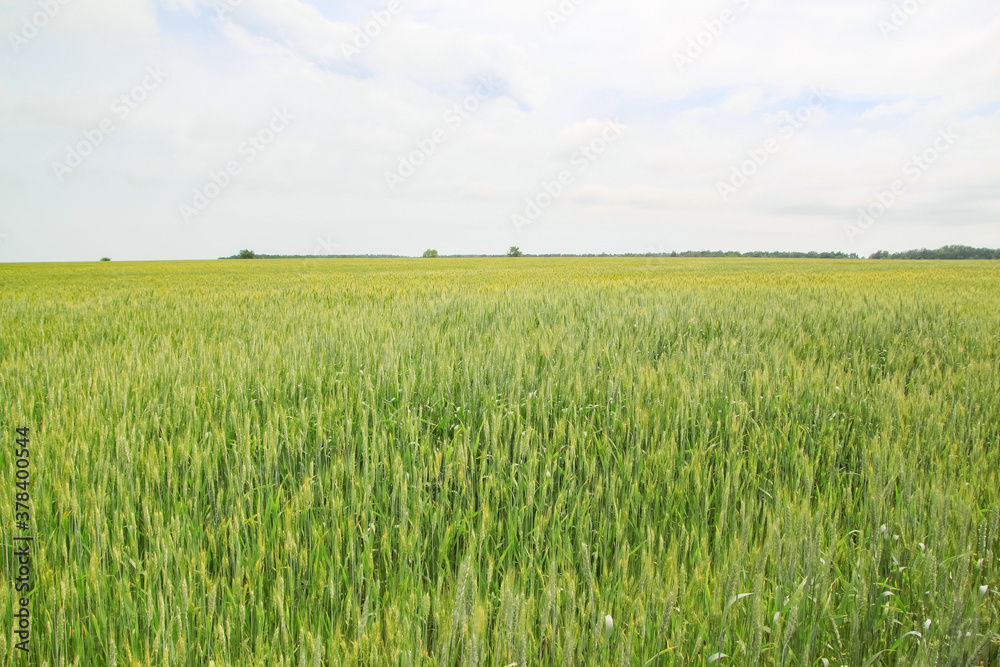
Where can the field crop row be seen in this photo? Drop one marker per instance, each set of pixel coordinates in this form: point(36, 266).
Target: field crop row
point(507, 461)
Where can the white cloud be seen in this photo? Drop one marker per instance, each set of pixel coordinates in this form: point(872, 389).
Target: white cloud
point(79, 110)
point(743, 101)
point(99, 21)
point(299, 24)
point(686, 131)
point(883, 110)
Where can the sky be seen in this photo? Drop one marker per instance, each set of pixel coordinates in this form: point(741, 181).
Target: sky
point(190, 129)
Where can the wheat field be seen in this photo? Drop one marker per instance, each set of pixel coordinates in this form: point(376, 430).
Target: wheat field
point(603, 461)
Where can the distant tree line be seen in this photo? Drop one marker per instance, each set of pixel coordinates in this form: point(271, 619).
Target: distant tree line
point(761, 253)
point(250, 254)
point(715, 253)
point(947, 252)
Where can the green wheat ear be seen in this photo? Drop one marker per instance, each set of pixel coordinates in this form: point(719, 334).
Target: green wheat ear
point(553, 462)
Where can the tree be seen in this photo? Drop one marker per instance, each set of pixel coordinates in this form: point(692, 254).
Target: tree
point(430, 253)
point(514, 252)
point(105, 259)
point(947, 252)
point(247, 254)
